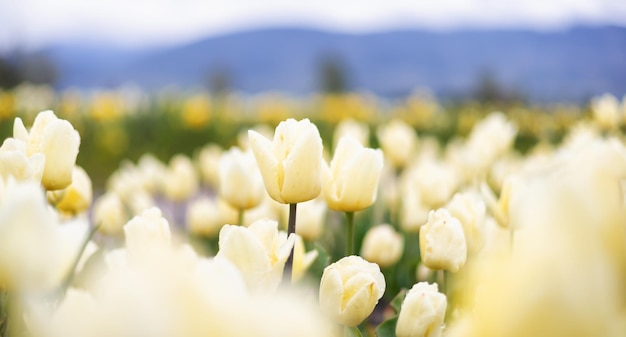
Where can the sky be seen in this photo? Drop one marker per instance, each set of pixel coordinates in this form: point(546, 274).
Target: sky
point(33, 24)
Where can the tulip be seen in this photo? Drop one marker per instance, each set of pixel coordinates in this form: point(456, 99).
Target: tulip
point(181, 180)
point(470, 209)
point(302, 259)
point(208, 159)
point(240, 183)
point(382, 245)
point(291, 163)
point(109, 214)
point(606, 112)
point(398, 141)
point(442, 242)
point(147, 233)
point(360, 131)
point(422, 312)
point(350, 183)
point(350, 289)
point(77, 197)
point(310, 223)
point(57, 140)
point(205, 216)
point(15, 162)
point(259, 252)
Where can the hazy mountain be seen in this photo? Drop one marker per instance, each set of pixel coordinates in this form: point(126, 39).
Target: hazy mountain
point(567, 65)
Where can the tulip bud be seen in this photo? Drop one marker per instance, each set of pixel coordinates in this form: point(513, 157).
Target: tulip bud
point(15, 162)
point(606, 112)
point(109, 213)
point(259, 252)
point(310, 219)
point(422, 312)
point(205, 217)
point(290, 164)
point(470, 209)
point(181, 180)
point(350, 289)
point(359, 131)
point(240, 184)
point(413, 213)
point(75, 198)
point(57, 140)
point(351, 182)
point(382, 245)
point(208, 160)
point(398, 141)
point(147, 233)
point(442, 242)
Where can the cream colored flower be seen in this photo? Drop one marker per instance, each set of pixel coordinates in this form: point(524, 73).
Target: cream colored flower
point(57, 140)
point(109, 213)
point(349, 127)
point(206, 216)
point(398, 141)
point(15, 162)
point(147, 233)
point(350, 183)
point(181, 180)
point(259, 251)
point(382, 245)
point(302, 259)
point(291, 163)
point(310, 219)
point(606, 111)
point(75, 198)
point(470, 209)
point(442, 242)
point(240, 184)
point(422, 312)
point(208, 162)
point(413, 213)
point(350, 289)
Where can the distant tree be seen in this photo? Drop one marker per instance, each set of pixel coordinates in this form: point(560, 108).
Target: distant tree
point(332, 75)
point(489, 90)
point(9, 74)
point(37, 69)
point(219, 81)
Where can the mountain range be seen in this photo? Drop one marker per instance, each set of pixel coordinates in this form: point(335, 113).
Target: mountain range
point(571, 64)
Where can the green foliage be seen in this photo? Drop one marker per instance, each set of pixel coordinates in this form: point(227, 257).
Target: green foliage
point(387, 328)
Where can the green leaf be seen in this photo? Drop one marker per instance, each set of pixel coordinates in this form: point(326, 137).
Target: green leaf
point(396, 302)
point(387, 328)
point(351, 332)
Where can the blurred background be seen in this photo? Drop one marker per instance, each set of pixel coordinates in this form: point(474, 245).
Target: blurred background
point(166, 76)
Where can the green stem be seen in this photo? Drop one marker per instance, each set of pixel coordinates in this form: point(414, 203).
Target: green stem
point(444, 282)
point(350, 234)
point(240, 217)
point(291, 228)
point(70, 275)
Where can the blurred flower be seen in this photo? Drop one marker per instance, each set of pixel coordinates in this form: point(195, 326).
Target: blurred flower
point(349, 127)
point(208, 161)
point(241, 184)
point(350, 289)
point(398, 141)
point(57, 140)
point(435, 180)
point(75, 198)
point(109, 213)
point(310, 219)
point(423, 273)
point(259, 252)
point(422, 312)
point(181, 180)
point(302, 260)
point(206, 216)
point(470, 209)
point(291, 163)
point(606, 112)
point(15, 162)
point(147, 233)
point(442, 242)
point(382, 245)
point(413, 213)
point(196, 111)
point(350, 183)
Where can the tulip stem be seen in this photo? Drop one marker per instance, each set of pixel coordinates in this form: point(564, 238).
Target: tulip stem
point(350, 234)
point(444, 282)
point(240, 217)
point(291, 228)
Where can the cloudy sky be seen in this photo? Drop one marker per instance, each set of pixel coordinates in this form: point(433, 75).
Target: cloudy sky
point(138, 23)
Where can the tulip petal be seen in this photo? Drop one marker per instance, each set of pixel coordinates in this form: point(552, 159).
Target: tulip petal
point(302, 168)
point(268, 164)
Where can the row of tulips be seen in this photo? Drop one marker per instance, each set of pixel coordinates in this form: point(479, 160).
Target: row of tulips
point(469, 238)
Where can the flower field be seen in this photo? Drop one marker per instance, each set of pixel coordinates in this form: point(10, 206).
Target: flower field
point(124, 213)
